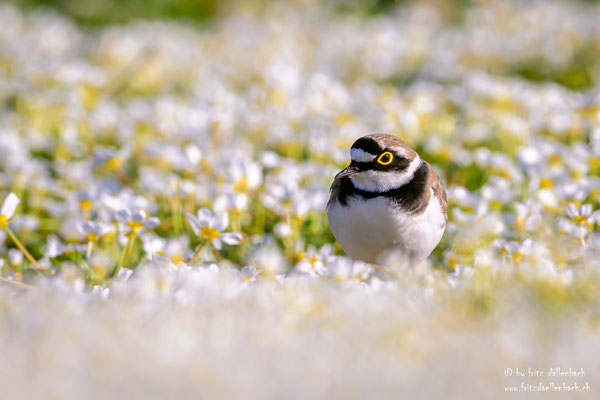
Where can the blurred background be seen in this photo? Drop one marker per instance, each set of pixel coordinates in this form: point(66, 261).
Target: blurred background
point(577, 74)
point(92, 12)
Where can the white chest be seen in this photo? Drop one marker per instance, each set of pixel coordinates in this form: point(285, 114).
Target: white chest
point(376, 231)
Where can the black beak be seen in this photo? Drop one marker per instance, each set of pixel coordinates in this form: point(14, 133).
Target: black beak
point(348, 172)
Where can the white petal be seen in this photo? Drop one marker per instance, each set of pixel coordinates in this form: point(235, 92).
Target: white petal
point(138, 216)
point(254, 175)
point(586, 210)
point(521, 209)
point(571, 210)
point(221, 203)
point(194, 224)
point(151, 223)
point(10, 205)
point(511, 247)
point(123, 216)
point(220, 221)
point(157, 258)
point(204, 216)
point(248, 270)
point(240, 201)
point(231, 238)
point(217, 244)
point(193, 154)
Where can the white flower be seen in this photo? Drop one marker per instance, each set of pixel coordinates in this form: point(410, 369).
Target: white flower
point(231, 201)
point(8, 209)
point(582, 214)
point(16, 257)
point(175, 250)
point(136, 221)
point(95, 230)
point(248, 273)
point(210, 227)
point(314, 262)
point(268, 259)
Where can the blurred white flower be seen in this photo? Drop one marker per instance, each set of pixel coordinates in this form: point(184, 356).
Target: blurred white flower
point(268, 260)
point(314, 262)
point(16, 257)
point(580, 215)
point(248, 273)
point(175, 250)
point(211, 228)
point(8, 209)
point(136, 221)
point(94, 231)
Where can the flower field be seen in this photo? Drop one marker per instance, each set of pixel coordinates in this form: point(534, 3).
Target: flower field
point(163, 190)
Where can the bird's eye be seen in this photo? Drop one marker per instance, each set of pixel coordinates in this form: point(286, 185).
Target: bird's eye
point(385, 158)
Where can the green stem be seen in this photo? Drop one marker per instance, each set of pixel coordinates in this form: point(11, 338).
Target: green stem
point(177, 210)
point(582, 236)
point(198, 254)
point(236, 223)
point(125, 254)
point(90, 246)
point(22, 248)
point(134, 236)
point(19, 284)
point(259, 220)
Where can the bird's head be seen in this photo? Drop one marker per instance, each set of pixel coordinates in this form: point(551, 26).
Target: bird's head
point(380, 162)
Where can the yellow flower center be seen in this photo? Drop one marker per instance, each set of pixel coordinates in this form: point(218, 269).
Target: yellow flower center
point(453, 262)
point(3, 221)
point(580, 219)
point(495, 204)
point(555, 160)
point(576, 174)
point(520, 223)
point(135, 225)
point(518, 256)
point(278, 98)
point(209, 233)
point(114, 163)
point(298, 256)
point(546, 183)
point(86, 204)
point(241, 185)
point(177, 258)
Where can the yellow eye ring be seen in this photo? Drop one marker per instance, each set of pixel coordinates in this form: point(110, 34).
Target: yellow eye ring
point(382, 156)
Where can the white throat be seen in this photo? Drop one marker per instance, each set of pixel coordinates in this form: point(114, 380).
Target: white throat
point(382, 181)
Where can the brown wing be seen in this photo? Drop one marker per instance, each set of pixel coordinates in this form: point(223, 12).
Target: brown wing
point(438, 189)
point(334, 191)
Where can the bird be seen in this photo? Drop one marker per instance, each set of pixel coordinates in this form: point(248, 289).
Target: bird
point(388, 206)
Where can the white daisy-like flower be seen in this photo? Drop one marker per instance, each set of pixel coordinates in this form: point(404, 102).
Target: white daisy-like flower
point(581, 215)
point(248, 273)
point(93, 230)
point(8, 209)
point(210, 227)
point(136, 221)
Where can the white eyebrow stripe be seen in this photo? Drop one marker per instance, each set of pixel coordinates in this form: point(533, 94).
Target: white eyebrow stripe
point(400, 151)
point(360, 155)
